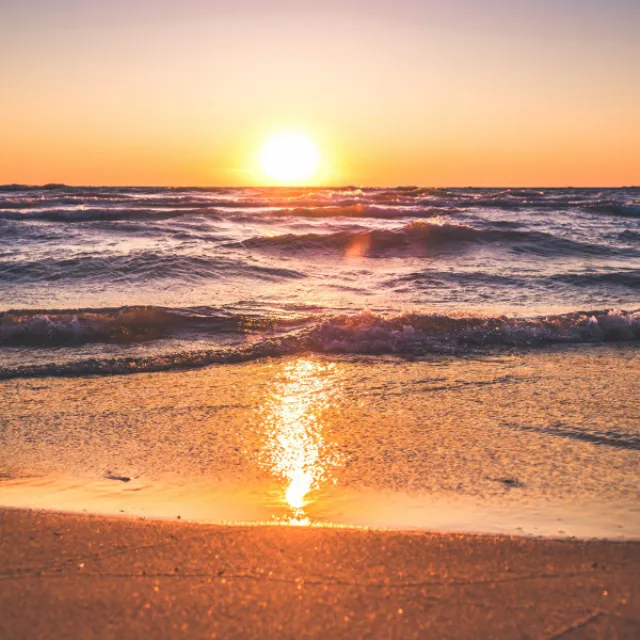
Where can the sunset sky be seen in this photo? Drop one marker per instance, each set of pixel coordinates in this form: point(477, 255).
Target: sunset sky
point(428, 92)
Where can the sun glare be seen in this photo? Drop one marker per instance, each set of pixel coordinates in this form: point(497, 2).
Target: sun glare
point(289, 157)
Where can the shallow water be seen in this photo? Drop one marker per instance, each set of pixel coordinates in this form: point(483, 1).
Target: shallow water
point(543, 443)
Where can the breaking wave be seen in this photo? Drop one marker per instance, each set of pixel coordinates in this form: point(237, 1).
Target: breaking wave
point(408, 335)
point(48, 328)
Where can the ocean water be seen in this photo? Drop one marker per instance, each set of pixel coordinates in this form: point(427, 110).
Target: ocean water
point(457, 359)
point(125, 279)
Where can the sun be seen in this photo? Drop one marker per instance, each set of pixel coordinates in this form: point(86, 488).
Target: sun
point(289, 157)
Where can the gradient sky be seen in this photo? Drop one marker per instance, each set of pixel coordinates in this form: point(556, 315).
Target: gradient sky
point(429, 92)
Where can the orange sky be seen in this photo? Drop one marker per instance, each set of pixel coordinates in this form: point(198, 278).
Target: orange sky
point(405, 92)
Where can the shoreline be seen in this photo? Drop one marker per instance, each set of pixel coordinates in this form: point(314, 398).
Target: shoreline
point(95, 576)
point(262, 504)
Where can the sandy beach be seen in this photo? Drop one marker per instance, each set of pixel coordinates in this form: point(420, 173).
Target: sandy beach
point(179, 492)
point(69, 576)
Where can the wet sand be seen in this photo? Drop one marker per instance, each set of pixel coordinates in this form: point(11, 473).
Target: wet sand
point(70, 576)
point(543, 442)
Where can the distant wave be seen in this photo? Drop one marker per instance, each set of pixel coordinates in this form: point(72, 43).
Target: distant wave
point(88, 214)
point(60, 203)
point(627, 210)
point(361, 211)
point(434, 278)
point(63, 211)
point(420, 235)
point(406, 335)
point(588, 200)
point(141, 266)
point(629, 278)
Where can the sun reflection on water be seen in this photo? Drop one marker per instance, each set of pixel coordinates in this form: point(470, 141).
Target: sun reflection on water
point(293, 422)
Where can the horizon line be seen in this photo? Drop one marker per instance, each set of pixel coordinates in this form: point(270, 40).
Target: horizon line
point(59, 185)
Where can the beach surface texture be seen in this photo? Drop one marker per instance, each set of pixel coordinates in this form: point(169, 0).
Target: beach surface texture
point(67, 576)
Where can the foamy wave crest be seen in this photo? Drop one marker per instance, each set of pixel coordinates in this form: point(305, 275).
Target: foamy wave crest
point(408, 335)
point(419, 333)
point(48, 328)
point(51, 328)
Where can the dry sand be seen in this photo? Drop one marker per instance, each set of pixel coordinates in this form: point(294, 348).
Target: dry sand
point(70, 576)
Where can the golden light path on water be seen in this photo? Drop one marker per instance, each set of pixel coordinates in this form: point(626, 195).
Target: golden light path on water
point(293, 423)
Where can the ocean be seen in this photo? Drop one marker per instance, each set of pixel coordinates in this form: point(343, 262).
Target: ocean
point(343, 347)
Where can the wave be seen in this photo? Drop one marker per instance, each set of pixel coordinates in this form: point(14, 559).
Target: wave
point(629, 236)
point(548, 199)
point(416, 237)
point(64, 212)
point(57, 327)
point(407, 335)
point(630, 278)
point(626, 210)
point(141, 266)
point(60, 203)
point(417, 333)
point(26, 187)
point(361, 211)
point(88, 214)
point(437, 279)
